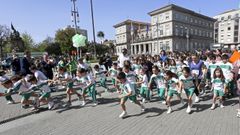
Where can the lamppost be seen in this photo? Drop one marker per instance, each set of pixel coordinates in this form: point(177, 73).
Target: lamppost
point(93, 28)
point(187, 36)
point(75, 19)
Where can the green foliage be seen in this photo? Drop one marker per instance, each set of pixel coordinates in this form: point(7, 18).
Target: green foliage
point(54, 48)
point(28, 41)
point(64, 38)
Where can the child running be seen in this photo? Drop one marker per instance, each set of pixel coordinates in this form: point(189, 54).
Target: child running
point(128, 92)
point(65, 77)
point(143, 81)
point(218, 86)
point(173, 89)
point(187, 83)
point(42, 85)
point(159, 80)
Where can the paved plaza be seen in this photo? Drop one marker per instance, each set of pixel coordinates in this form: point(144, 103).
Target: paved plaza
point(103, 119)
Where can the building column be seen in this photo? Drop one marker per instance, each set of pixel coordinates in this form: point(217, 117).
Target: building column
point(131, 49)
point(144, 48)
point(150, 48)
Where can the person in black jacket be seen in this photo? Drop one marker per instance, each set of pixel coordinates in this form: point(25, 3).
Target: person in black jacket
point(46, 66)
point(26, 63)
point(16, 66)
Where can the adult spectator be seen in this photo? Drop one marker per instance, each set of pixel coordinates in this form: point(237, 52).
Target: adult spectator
point(196, 68)
point(123, 57)
point(16, 65)
point(26, 63)
point(46, 66)
point(163, 56)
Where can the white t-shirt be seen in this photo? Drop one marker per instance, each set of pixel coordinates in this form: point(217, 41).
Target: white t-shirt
point(131, 77)
point(144, 78)
point(128, 87)
point(121, 60)
point(159, 81)
point(84, 66)
point(40, 76)
point(187, 82)
point(22, 86)
point(43, 86)
point(172, 84)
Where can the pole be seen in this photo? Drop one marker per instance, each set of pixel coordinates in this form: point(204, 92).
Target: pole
point(75, 12)
point(93, 28)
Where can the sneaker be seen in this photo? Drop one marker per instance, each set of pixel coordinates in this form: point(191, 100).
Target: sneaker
point(222, 106)
point(50, 105)
point(188, 109)
point(83, 103)
point(142, 108)
point(238, 114)
point(10, 102)
point(169, 110)
point(123, 114)
point(197, 99)
point(164, 102)
point(213, 107)
point(143, 100)
point(95, 103)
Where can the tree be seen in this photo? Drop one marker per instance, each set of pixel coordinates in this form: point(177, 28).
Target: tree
point(28, 41)
point(54, 48)
point(45, 43)
point(64, 38)
point(4, 38)
point(101, 36)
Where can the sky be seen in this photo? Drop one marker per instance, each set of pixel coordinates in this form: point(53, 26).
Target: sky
point(42, 18)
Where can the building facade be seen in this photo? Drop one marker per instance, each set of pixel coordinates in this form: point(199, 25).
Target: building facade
point(172, 28)
point(226, 28)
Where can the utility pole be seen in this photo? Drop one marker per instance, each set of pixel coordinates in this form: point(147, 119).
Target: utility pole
point(93, 29)
point(75, 20)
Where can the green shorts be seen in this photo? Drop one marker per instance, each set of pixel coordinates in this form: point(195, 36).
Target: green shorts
point(189, 91)
point(161, 93)
point(70, 85)
point(132, 98)
point(45, 95)
point(172, 92)
point(26, 96)
point(113, 81)
point(219, 93)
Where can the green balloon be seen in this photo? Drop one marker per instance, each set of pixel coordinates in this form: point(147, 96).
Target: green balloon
point(79, 40)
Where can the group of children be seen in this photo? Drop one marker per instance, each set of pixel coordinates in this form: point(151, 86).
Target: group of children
point(136, 80)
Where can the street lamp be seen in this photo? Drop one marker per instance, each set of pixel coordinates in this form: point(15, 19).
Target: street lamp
point(93, 28)
point(75, 19)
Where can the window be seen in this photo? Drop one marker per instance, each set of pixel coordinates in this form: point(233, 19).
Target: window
point(196, 31)
point(167, 16)
point(167, 29)
point(161, 30)
point(191, 20)
point(191, 31)
point(229, 17)
point(236, 15)
point(222, 18)
point(196, 21)
point(176, 16)
point(176, 30)
point(229, 28)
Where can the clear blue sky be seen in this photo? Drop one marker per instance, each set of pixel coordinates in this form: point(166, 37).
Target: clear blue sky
point(41, 18)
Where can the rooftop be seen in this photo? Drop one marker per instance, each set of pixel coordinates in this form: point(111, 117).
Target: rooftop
point(128, 21)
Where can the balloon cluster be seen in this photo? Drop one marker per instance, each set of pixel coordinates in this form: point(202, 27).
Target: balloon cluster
point(79, 40)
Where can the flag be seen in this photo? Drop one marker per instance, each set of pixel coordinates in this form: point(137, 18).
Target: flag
point(132, 28)
point(147, 29)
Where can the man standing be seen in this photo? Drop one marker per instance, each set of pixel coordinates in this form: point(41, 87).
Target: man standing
point(46, 66)
point(16, 66)
point(123, 57)
point(26, 63)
